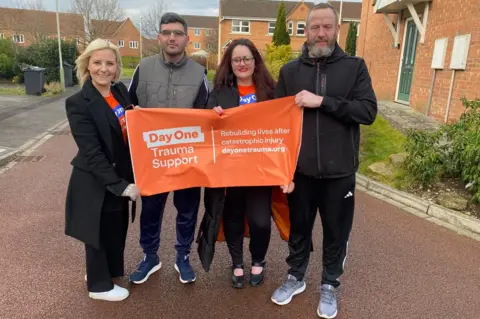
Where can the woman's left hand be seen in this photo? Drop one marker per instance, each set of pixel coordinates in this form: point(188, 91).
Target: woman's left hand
point(288, 188)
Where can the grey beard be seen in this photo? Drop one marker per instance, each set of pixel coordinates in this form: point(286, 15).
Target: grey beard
point(317, 52)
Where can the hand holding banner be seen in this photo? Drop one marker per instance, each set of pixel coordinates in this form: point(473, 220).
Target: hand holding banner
point(251, 145)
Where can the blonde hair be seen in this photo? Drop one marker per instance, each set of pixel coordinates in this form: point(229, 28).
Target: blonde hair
point(83, 60)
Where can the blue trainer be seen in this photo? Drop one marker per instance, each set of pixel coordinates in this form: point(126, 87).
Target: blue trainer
point(149, 265)
point(183, 267)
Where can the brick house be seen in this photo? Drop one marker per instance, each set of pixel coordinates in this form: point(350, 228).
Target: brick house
point(26, 26)
point(255, 19)
point(408, 46)
point(203, 33)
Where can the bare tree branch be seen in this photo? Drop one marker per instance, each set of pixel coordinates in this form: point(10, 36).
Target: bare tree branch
point(104, 10)
point(151, 19)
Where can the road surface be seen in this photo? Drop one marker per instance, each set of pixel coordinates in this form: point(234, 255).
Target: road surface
point(399, 266)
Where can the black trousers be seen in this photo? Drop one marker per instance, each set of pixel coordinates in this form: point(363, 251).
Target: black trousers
point(256, 203)
point(107, 262)
point(335, 199)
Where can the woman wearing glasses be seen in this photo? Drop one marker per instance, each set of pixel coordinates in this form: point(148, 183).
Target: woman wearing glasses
point(241, 78)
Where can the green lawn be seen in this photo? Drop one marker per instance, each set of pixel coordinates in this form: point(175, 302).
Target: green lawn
point(210, 75)
point(19, 90)
point(127, 73)
point(378, 142)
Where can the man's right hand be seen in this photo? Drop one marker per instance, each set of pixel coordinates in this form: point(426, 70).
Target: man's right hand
point(218, 110)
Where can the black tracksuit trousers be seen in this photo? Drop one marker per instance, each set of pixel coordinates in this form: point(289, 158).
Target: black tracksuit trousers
point(334, 198)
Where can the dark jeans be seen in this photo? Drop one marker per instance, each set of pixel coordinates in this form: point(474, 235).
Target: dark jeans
point(335, 199)
point(256, 203)
point(107, 262)
point(186, 202)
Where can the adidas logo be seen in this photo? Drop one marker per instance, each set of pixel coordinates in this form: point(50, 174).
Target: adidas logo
point(348, 195)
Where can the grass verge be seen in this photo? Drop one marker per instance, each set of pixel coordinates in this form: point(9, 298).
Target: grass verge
point(378, 142)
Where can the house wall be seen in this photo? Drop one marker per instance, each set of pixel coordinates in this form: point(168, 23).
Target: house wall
point(127, 32)
point(444, 20)
point(259, 31)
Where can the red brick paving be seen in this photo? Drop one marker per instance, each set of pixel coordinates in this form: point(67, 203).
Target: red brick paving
point(399, 266)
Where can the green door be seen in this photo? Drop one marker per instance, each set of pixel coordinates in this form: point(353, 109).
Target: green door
point(408, 61)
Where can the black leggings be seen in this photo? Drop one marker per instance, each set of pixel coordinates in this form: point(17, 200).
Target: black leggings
point(255, 202)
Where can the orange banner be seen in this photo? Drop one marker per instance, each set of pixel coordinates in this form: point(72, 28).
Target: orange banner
point(252, 145)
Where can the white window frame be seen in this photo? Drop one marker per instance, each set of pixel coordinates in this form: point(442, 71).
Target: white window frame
point(133, 44)
point(239, 25)
point(302, 29)
point(18, 38)
point(290, 28)
point(270, 27)
point(2, 36)
point(121, 43)
point(196, 31)
point(196, 45)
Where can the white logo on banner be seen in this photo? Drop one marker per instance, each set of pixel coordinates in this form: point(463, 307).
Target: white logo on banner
point(174, 136)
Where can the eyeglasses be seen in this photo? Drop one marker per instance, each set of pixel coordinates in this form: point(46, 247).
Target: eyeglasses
point(176, 33)
point(246, 59)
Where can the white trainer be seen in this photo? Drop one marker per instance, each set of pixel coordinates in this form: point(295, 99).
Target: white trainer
point(116, 294)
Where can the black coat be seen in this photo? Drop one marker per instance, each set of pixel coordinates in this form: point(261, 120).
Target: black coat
point(331, 133)
point(102, 164)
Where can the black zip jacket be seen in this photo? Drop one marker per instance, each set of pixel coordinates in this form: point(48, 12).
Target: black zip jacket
point(331, 133)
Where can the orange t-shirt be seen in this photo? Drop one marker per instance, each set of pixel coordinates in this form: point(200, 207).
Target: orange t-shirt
point(119, 112)
point(247, 94)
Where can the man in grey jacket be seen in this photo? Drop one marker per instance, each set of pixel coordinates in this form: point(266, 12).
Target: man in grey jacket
point(169, 79)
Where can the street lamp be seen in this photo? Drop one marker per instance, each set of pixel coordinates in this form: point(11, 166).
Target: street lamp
point(340, 19)
point(141, 46)
point(62, 75)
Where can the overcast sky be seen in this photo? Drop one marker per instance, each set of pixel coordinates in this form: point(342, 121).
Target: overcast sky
point(133, 8)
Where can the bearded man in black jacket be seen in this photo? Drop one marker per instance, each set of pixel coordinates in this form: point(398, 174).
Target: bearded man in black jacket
point(336, 93)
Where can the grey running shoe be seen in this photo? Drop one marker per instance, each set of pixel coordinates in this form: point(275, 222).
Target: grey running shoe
point(284, 294)
point(328, 302)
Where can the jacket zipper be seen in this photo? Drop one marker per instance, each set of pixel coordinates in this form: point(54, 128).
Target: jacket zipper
point(169, 85)
point(319, 90)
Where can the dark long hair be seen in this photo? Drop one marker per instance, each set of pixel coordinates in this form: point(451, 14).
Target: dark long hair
point(264, 83)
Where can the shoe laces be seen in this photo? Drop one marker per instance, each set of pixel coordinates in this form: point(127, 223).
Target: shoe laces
point(289, 284)
point(143, 265)
point(327, 295)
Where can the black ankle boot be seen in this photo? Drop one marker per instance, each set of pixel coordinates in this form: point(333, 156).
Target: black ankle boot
point(238, 281)
point(257, 280)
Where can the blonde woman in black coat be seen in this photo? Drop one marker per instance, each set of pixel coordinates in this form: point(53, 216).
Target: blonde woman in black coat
point(101, 183)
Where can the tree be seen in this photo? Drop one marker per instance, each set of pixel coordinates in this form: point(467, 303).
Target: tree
point(280, 35)
point(24, 21)
point(107, 11)
point(351, 43)
point(151, 27)
point(211, 43)
point(151, 19)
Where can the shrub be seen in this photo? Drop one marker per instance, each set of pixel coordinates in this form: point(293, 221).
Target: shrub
point(276, 57)
point(453, 151)
point(45, 54)
point(7, 56)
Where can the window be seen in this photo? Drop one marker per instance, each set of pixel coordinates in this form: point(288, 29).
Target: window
point(301, 28)
point(18, 38)
point(77, 41)
point(133, 44)
point(121, 43)
point(2, 36)
point(210, 46)
point(240, 26)
point(207, 33)
point(196, 45)
point(290, 28)
point(271, 27)
point(196, 31)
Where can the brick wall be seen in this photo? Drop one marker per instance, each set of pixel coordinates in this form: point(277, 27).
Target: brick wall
point(259, 31)
point(127, 32)
point(444, 20)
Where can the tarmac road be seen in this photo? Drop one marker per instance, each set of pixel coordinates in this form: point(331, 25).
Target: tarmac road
point(399, 266)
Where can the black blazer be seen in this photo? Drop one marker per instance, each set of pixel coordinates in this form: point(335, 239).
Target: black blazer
point(102, 164)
